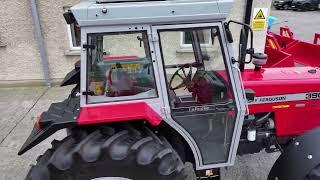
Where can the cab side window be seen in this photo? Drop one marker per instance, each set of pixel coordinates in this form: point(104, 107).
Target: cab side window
point(120, 67)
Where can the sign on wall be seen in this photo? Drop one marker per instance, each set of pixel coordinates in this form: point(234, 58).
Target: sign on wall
point(259, 20)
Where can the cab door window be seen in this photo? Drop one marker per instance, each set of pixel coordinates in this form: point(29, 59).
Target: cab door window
point(120, 67)
point(200, 98)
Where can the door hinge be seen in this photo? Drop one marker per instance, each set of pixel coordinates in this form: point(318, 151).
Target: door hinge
point(86, 46)
point(88, 93)
point(155, 37)
point(165, 111)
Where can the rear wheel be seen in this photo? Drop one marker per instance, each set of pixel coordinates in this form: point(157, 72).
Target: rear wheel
point(111, 153)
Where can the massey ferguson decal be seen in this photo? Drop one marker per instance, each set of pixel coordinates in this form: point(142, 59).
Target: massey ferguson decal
point(270, 99)
point(285, 98)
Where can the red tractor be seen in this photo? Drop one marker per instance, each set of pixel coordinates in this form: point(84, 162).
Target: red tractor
point(159, 95)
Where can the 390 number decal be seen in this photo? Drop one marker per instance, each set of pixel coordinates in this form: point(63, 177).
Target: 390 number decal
point(315, 95)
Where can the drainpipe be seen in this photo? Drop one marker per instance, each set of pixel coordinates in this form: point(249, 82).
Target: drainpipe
point(40, 41)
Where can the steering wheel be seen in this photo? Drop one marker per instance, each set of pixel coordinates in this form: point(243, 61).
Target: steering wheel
point(186, 78)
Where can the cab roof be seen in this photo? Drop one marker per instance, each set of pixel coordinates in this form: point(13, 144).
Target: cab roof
point(122, 12)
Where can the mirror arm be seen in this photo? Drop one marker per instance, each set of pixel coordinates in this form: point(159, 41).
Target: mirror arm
point(250, 51)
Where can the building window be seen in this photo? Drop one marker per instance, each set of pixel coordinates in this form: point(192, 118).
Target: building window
point(186, 39)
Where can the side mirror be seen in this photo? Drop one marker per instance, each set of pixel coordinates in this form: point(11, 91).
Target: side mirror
point(243, 50)
point(228, 33)
point(68, 16)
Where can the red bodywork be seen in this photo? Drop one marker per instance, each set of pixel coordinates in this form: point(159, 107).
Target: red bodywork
point(287, 72)
point(292, 117)
point(118, 112)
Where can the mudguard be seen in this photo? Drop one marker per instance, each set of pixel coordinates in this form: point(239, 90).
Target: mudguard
point(72, 77)
point(299, 158)
point(59, 116)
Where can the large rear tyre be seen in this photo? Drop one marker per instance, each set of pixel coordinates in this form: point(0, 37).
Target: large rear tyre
point(124, 153)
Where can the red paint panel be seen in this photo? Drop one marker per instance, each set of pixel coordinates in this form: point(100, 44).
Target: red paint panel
point(118, 112)
point(277, 81)
point(293, 120)
point(300, 116)
point(296, 122)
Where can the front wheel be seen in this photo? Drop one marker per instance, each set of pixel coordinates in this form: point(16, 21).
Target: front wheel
point(111, 153)
point(300, 160)
point(314, 174)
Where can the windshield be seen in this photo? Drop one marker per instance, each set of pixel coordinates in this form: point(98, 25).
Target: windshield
point(186, 66)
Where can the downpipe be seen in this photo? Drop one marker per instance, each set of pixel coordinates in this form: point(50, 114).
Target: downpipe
point(40, 42)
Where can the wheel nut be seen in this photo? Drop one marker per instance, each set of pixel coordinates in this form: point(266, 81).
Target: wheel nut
point(296, 143)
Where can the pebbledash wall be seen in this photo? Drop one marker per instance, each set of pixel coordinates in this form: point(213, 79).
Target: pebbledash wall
point(19, 54)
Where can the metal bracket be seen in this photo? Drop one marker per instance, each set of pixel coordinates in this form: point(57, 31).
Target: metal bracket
point(86, 46)
point(165, 111)
point(88, 93)
point(155, 37)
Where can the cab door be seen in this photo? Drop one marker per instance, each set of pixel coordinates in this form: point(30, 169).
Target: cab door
point(204, 98)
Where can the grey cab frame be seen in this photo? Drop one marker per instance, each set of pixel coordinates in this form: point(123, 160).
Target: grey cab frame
point(160, 104)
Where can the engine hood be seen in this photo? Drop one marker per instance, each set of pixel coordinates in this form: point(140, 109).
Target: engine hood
point(274, 81)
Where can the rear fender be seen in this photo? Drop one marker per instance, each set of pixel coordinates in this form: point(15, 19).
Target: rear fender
point(59, 116)
point(72, 77)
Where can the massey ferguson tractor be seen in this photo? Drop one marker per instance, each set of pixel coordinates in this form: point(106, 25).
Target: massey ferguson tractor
point(159, 94)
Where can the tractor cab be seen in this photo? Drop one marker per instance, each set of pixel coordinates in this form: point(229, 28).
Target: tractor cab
point(192, 87)
point(166, 63)
point(174, 60)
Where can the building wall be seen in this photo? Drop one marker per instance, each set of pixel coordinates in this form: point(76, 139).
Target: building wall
point(19, 54)
point(20, 58)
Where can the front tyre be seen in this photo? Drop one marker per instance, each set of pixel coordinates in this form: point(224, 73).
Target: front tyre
point(314, 174)
point(111, 152)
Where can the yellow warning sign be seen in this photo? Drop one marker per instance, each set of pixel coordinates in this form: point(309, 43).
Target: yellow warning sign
point(259, 20)
point(259, 25)
point(260, 15)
